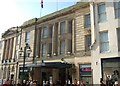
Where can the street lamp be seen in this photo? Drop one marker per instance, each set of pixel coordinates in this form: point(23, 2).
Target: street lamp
point(26, 52)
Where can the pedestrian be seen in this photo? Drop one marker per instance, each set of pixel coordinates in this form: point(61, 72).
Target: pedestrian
point(11, 83)
point(75, 82)
point(31, 83)
point(18, 84)
point(102, 82)
point(24, 83)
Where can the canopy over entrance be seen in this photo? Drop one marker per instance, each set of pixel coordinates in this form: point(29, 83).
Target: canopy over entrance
point(50, 65)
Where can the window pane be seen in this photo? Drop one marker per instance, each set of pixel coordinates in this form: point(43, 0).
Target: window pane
point(117, 9)
point(101, 8)
point(27, 39)
point(62, 47)
point(45, 32)
point(43, 50)
point(87, 20)
point(70, 26)
point(104, 47)
point(62, 27)
point(69, 46)
point(49, 48)
point(104, 37)
point(104, 43)
point(88, 42)
point(118, 36)
point(101, 12)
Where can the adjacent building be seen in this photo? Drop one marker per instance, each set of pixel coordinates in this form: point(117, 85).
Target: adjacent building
point(105, 26)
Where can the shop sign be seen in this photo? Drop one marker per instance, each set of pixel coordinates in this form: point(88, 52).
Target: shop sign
point(86, 69)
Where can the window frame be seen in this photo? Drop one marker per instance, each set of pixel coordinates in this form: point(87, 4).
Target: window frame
point(62, 30)
point(27, 36)
point(118, 38)
point(87, 45)
point(104, 42)
point(62, 47)
point(117, 9)
point(45, 33)
point(101, 13)
point(86, 23)
point(43, 51)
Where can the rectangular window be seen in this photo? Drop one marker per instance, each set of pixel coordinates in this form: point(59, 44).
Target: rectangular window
point(70, 26)
point(62, 27)
point(49, 49)
point(62, 47)
point(117, 9)
point(104, 43)
point(45, 32)
point(88, 42)
point(101, 12)
point(69, 46)
point(27, 37)
point(87, 21)
point(43, 50)
point(118, 37)
point(50, 31)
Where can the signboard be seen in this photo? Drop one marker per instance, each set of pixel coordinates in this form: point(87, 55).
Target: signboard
point(86, 69)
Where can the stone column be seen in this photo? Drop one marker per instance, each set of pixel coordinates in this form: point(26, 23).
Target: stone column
point(58, 38)
point(66, 41)
point(73, 35)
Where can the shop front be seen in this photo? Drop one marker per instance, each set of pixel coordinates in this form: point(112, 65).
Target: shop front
point(110, 68)
point(86, 73)
point(51, 72)
point(24, 76)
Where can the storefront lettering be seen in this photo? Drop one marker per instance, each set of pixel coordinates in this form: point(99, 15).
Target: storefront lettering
point(86, 69)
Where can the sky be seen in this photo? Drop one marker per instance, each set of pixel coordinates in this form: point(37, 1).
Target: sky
point(15, 12)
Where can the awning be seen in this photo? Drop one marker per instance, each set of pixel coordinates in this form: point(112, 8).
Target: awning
point(50, 65)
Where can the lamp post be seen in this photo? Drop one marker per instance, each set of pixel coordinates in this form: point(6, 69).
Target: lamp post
point(26, 52)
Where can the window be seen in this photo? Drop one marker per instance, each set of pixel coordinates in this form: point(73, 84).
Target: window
point(87, 21)
point(118, 36)
point(104, 43)
point(88, 42)
point(43, 50)
point(50, 31)
point(101, 12)
point(62, 47)
point(70, 26)
point(27, 38)
point(69, 46)
point(4, 73)
point(45, 32)
point(49, 49)
point(117, 9)
point(62, 27)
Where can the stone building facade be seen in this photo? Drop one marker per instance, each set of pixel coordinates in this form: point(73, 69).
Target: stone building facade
point(79, 42)
point(58, 44)
point(105, 25)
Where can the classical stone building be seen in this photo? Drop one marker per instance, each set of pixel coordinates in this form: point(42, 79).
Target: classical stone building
point(60, 47)
point(8, 54)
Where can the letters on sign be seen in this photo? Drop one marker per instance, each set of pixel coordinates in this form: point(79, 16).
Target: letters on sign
point(86, 69)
